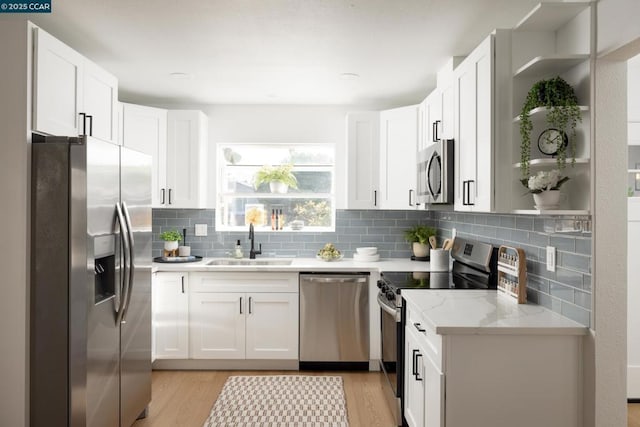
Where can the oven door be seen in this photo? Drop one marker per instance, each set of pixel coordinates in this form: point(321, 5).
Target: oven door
point(392, 358)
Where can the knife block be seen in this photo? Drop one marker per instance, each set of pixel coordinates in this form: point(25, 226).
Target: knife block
point(512, 273)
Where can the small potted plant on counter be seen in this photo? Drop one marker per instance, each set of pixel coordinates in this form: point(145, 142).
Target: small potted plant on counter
point(171, 239)
point(279, 178)
point(418, 236)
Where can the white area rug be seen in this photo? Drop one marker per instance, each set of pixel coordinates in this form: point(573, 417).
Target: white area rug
point(289, 400)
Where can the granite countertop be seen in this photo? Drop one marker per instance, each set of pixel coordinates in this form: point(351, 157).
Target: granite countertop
point(486, 312)
point(300, 264)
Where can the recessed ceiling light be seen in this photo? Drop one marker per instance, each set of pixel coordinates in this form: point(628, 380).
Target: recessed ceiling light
point(349, 76)
point(181, 76)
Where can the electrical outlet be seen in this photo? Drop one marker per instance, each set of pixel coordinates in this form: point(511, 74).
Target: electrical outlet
point(551, 258)
point(453, 233)
point(201, 229)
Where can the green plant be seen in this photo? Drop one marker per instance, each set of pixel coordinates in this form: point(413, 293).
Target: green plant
point(563, 113)
point(419, 234)
point(281, 173)
point(171, 236)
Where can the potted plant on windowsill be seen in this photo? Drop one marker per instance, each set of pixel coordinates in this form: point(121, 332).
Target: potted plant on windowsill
point(418, 236)
point(171, 239)
point(563, 114)
point(279, 178)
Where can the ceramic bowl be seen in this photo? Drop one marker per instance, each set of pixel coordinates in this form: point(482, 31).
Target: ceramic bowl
point(371, 250)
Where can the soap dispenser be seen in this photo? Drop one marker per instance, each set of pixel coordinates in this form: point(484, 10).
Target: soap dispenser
point(238, 251)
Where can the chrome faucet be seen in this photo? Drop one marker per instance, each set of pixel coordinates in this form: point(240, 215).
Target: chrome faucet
point(253, 252)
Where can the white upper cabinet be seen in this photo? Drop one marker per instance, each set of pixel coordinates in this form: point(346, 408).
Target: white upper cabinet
point(363, 144)
point(398, 160)
point(479, 111)
point(145, 129)
point(186, 172)
point(72, 95)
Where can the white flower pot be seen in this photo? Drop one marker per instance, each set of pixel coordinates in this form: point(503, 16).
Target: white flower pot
point(171, 245)
point(278, 187)
point(420, 250)
point(549, 199)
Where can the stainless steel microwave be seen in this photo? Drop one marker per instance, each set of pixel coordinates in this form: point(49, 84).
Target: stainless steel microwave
point(435, 173)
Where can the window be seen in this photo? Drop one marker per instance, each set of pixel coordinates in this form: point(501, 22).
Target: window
point(246, 194)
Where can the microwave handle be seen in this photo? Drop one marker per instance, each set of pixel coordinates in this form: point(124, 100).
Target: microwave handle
point(427, 177)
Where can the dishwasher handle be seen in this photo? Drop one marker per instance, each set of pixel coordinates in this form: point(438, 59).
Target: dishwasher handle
point(335, 279)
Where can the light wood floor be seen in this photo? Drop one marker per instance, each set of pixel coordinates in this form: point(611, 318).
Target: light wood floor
point(185, 398)
point(633, 411)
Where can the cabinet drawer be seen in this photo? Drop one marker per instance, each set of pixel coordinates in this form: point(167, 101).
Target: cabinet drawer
point(243, 282)
point(431, 342)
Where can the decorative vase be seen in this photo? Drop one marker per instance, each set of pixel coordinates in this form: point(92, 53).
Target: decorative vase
point(549, 199)
point(170, 245)
point(278, 187)
point(420, 250)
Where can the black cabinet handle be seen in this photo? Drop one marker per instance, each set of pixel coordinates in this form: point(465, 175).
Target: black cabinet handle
point(417, 370)
point(182, 277)
point(249, 305)
point(240, 305)
point(84, 123)
point(169, 196)
point(90, 124)
point(436, 137)
point(162, 202)
point(464, 193)
point(414, 358)
point(469, 193)
point(375, 197)
point(418, 327)
point(410, 198)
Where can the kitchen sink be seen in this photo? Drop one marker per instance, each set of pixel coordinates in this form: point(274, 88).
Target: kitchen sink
point(250, 262)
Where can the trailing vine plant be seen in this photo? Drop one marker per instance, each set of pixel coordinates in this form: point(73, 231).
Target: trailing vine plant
point(563, 113)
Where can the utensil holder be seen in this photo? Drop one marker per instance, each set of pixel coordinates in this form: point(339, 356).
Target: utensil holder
point(439, 260)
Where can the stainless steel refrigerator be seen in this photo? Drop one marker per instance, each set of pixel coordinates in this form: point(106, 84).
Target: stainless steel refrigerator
point(90, 322)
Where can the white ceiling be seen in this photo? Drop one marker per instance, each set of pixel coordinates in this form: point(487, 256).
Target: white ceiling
point(277, 51)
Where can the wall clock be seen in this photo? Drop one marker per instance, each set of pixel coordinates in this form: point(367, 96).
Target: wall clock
point(551, 140)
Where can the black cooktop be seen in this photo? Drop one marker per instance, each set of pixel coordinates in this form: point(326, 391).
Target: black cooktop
point(467, 279)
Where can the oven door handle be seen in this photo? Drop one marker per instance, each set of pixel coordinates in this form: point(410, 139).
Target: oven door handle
point(390, 311)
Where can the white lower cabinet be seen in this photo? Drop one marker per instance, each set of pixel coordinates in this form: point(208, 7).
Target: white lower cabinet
point(481, 378)
point(171, 315)
point(260, 323)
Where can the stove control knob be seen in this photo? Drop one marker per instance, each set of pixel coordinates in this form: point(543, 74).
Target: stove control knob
point(391, 296)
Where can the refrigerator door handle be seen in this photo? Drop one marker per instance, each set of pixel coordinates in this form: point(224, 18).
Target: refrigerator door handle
point(131, 268)
point(126, 264)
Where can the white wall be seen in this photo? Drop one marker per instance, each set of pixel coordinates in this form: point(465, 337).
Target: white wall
point(617, 23)
point(14, 214)
point(618, 35)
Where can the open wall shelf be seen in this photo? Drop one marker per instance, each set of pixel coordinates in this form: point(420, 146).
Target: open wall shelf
point(551, 16)
point(544, 66)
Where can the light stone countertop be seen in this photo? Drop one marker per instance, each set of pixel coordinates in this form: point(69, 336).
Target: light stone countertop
point(486, 312)
point(300, 264)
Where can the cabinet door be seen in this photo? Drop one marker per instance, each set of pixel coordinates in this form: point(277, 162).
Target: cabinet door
point(473, 89)
point(171, 315)
point(58, 86)
point(145, 130)
point(398, 157)
point(186, 159)
point(414, 397)
point(433, 394)
point(100, 98)
point(434, 125)
point(446, 96)
point(217, 325)
point(272, 326)
point(363, 139)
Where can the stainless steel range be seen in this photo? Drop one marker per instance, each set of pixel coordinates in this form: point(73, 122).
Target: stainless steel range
point(474, 267)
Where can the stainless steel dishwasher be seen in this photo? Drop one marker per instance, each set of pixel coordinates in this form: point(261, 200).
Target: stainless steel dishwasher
point(334, 321)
